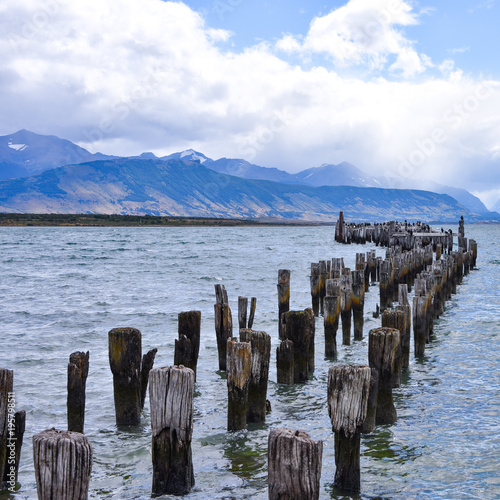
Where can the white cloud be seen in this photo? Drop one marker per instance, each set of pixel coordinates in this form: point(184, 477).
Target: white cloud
point(123, 77)
point(363, 32)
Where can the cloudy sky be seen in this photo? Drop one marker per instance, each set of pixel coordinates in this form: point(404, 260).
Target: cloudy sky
point(402, 89)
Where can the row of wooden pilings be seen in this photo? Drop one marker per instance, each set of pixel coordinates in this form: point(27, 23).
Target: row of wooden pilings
point(359, 397)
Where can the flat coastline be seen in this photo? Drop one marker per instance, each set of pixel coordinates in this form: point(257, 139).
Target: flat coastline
point(103, 220)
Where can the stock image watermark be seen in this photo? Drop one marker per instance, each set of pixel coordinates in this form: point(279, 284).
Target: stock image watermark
point(451, 120)
point(223, 7)
point(266, 134)
point(11, 459)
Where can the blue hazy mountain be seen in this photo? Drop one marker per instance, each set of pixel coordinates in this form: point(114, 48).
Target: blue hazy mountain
point(183, 188)
point(25, 153)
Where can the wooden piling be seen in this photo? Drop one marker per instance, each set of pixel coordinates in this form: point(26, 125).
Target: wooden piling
point(187, 346)
point(331, 323)
point(283, 296)
point(297, 328)
point(358, 301)
point(6, 391)
point(223, 323)
point(294, 465)
point(171, 391)
point(63, 463)
point(257, 389)
point(419, 325)
point(348, 391)
point(78, 370)
point(346, 305)
point(148, 360)
point(323, 276)
point(396, 319)
point(253, 306)
point(242, 312)
point(284, 362)
point(315, 281)
point(382, 348)
point(239, 371)
point(125, 362)
point(371, 409)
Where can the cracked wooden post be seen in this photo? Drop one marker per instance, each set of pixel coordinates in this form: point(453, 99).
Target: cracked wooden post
point(315, 281)
point(283, 296)
point(396, 319)
point(63, 463)
point(284, 362)
point(148, 360)
point(348, 391)
point(6, 391)
point(323, 276)
point(223, 324)
point(382, 347)
point(404, 306)
point(239, 371)
point(297, 328)
point(358, 301)
point(331, 322)
point(346, 305)
point(257, 390)
point(125, 363)
point(294, 465)
point(253, 306)
point(187, 346)
point(78, 370)
point(171, 391)
point(419, 325)
point(242, 312)
point(371, 409)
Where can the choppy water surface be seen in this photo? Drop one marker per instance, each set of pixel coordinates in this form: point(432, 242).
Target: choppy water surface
point(63, 289)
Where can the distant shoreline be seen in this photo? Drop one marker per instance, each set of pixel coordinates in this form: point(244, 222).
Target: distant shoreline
point(102, 220)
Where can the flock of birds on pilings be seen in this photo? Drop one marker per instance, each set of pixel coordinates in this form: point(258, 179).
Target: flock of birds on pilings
point(359, 397)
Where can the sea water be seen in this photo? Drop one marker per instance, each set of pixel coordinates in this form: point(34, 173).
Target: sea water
point(63, 289)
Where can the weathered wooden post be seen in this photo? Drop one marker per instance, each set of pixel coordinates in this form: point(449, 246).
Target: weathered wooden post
point(346, 305)
point(257, 390)
point(239, 371)
point(419, 325)
point(242, 312)
point(171, 390)
point(315, 281)
point(358, 301)
point(371, 409)
point(340, 229)
point(223, 323)
point(253, 306)
point(382, 348)
point(348, 391)
point(125, 362)
point(78, 370)
point(284, 362)
point(294, 465)
point(404, 306)
point(6, 388)
point(63, 463)
point(187, 346)
point(283, 295)
point(396, 319)
point(323, 276)
point(148, 361)
point(297, 328)
point(331, 322)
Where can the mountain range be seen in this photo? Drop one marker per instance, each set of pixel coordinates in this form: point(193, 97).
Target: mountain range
point(46, 174)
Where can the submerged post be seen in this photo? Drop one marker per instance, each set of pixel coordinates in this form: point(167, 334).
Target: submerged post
point(187, 347)
point(284, 362)
point(331, 323)
point(125, 362)
point(396, 320)
point(78, 370)
point(283, 295)
point(171, 392)
point(382, 349)
point(348, 391)
point(223, 323)
point(239, 371)
point(358, 301)
point(63, 463)
point(257, 389)
point(294, 465)
point(242, 312)
point(253, 306)
point(346, 305)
